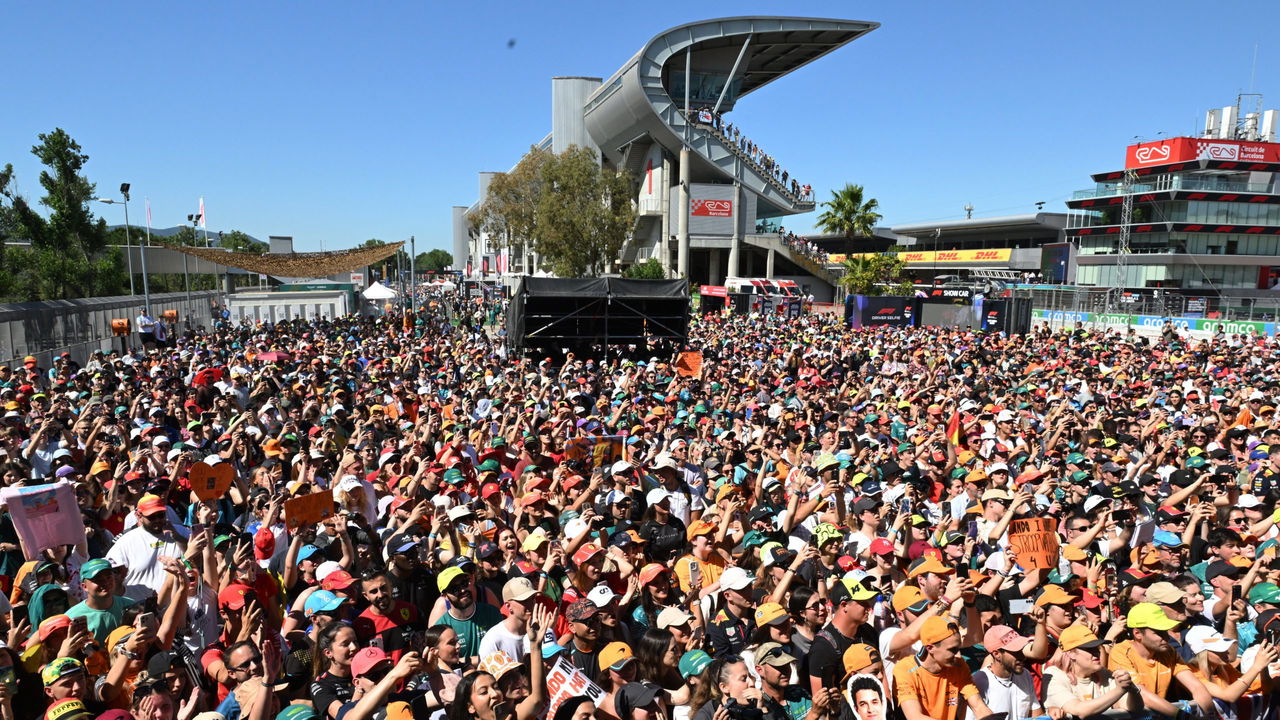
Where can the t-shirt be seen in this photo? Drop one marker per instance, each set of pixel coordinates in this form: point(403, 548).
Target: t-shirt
point(1015, 695)
point(711, 569)
point(500, 638)
point(826, 654)
point(472, 630)
point(390, 632)
point(1060, 690)
point(1155, 675)
point(140, 552)
point(327, 689)
point(101, 622)
point(940, 696)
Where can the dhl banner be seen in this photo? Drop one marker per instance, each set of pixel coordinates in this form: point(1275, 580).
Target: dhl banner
point(928, 257)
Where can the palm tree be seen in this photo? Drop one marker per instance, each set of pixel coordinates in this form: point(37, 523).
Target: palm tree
point(849, 215)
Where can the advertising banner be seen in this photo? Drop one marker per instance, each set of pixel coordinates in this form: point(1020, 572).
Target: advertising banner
point(1182, 149)
point(879, 311)
point(711, 208)
point(939, 257)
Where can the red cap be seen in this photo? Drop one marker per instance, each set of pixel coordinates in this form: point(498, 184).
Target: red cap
point(538, 482)
point(531, 498)
point(572, 481)
point(846, 562)
point(367, 659)
point(264, 544)
point(234, 597)
point(1089, 599)
point(881, 546)
point(337, 580)
point(150, 504)
point(488, 490)
point(585, 553)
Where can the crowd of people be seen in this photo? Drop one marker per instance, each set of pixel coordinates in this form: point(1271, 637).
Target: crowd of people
point(804, 246)
point(809, 522)
point(734, 137)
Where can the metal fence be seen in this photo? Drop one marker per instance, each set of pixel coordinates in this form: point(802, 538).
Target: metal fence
point(1257, 307)
point(47, 328)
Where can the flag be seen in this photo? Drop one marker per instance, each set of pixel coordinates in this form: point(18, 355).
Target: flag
point(202, 212)
point(953, 428)
point(1244, 419)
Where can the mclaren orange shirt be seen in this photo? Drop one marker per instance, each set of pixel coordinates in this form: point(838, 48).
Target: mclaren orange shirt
point(942, 696)
point(1155, 675)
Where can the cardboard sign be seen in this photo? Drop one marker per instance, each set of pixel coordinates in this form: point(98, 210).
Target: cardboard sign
point(1036, 543)
point(308, 509)
point(210, 482)
point(689, 364)
point(565, 681)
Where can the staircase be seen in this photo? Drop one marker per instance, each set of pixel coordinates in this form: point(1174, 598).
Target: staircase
point(774, 243)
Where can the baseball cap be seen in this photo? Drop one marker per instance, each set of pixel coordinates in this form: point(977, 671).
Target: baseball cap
point(1164, 538)
point(935, 629)
point(770, 614)
point(1164, 593)
point(68, 709)
point(773, 654)
point(584, 554)
point(847, 589)
point(59, 668)
point(1220, 568)
point(700, 527)
point(150, 504)
point(518, 589)
point(234, 596)
point(929, 564)
point(337, 580)
point(1078, 636)
point(90, 569)
point(1149, 615)
point(735, 578)
point(1262, 593)
point(672, 617)
point(859, 657)
point(997, 494)
point(881, 546)
point(447, 576)
point(322, 601)
point(1003, 637)
point(693, 663)
point(1203, 637)
point(367, 659)
point(498, 663)
point(615, 656)
point(1055, 595)
point(581, 610)
point(909, 597)
point(601, 595)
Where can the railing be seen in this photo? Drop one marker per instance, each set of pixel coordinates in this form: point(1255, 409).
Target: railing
point(1162, 183)
point(1226, 305)
point(796, 198)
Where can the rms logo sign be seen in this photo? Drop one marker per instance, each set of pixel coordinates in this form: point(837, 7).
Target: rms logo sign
point(711, 208)
point(1152, 154)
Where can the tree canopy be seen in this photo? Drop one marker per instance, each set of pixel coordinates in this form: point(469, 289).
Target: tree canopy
point(875, 274)
point(433, 261)
point(69, 254)
point(849, 214)
point(574, 213)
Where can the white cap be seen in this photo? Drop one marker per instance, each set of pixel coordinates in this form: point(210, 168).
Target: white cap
point(1006, 416)
point(1092, 502)
point(1248, 501)
point(735, 578)
point(656, 496)
point(620, 467)
point(348, 483)
point(665, 462)
point(457, 513)
point(1204, 637)
point(326, 567)
point(997, 467)
point(601, 595)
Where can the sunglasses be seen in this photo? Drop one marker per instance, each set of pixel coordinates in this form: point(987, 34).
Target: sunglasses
point(255, 660)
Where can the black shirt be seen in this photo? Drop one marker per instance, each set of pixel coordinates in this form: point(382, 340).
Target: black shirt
point(826, 655)
point(666, 540)
point(327, 688)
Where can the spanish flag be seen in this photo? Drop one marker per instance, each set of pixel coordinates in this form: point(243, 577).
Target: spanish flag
point(953, 428)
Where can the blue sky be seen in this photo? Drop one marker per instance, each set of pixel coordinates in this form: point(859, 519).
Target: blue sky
point(337, 122)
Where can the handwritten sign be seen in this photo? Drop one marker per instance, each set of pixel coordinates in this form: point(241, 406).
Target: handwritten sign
point(210, 482)
point(308, 509)
point(689, 364)
point(1035, 542)
point(565, 681)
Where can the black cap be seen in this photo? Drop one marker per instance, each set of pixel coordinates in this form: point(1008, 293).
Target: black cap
point(634, 696)
point(1124, 489)
point(488, 548)
point(1221, 568)
point(1219, 454)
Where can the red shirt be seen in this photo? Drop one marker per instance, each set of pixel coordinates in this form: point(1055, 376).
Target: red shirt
point(390, 632)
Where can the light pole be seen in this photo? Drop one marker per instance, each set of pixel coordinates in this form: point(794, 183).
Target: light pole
point(128, 244)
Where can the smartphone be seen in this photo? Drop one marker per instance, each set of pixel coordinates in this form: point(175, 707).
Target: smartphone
point(1021, 606)
point(695, 573)
point(1235, 594)
point(145, 619)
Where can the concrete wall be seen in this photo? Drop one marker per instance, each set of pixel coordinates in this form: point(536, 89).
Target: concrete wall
point(273, 307)
point(568, 95)
point(46, 329)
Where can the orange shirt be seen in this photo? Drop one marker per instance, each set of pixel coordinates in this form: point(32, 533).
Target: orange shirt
point(941, 696)
point(1155, 675)
point(712, 568)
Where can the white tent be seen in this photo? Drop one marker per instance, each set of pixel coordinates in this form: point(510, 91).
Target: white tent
point(378, 291)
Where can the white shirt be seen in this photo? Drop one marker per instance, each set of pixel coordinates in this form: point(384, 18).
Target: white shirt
point(500, 638)
point(140, 552)
point(1015, 695)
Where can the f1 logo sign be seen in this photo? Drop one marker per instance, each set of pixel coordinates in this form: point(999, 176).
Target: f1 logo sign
point(1151, 154)
point(711, 208)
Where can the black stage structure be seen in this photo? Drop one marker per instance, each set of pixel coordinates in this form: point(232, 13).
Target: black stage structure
point(598, 316)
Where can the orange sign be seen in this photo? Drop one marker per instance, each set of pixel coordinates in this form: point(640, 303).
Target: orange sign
point(308, 509)
point(210, 482)
point(1035, 540)
point(689, 364)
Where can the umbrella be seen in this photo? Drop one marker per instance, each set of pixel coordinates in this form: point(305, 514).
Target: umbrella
point(274, 356)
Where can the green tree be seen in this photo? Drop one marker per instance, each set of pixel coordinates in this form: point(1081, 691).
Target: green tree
point(650, 269)
point(237, 241)
point(386, 268)
point(585, 213)
point(847, 213)
point(508, 214)
point(69, 255)
point(875, 274)
point(433, 261)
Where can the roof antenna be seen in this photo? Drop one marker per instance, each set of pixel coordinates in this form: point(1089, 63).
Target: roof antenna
point(1253, 72)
